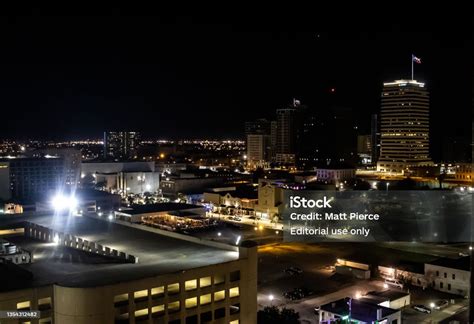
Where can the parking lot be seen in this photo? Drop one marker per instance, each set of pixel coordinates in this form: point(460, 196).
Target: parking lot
point(317, 276)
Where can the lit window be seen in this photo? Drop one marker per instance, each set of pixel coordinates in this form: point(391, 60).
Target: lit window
point(121, 299)
point(23, 305)
point(191, 302)
point(157, 309)
point(44, 303)
point(173, 307)
point(234, 292)
point(220, 295)
point(173, 288)
point(205, 299)
point(190, 285)
point(141, 312)
point(158, 291)
point(205, 282)
point(142, 294)
point(234, 322)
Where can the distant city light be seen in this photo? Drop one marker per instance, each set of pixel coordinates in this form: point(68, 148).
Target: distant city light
point(219, 234)
point(100, 214)
point(61, 202)
point(162, 155)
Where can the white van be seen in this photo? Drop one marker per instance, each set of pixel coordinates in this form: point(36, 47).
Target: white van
point(394, 283)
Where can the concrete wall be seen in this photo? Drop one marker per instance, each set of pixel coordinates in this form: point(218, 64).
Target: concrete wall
point(64, 239)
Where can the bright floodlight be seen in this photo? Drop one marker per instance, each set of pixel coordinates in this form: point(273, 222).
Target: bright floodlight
point(61, 202)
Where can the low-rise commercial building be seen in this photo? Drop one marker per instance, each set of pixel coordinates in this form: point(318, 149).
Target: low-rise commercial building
point(137, 213)
point(121, 177)
point(174, 279)
point(450, 275)
point(358, 311)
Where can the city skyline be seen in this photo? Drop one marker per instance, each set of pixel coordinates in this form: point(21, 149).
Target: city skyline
point(145, 79)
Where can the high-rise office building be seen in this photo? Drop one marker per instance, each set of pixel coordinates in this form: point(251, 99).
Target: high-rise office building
point(404, 126)
point(375, 137)
point(259, 147)
point(121, 145)
point(259, 126)
point(288, 122)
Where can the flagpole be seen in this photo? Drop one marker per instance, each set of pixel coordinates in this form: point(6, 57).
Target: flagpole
point(412, 67)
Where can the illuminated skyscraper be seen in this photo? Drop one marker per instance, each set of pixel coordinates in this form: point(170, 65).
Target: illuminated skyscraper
point(121, 145)
point(404, 126)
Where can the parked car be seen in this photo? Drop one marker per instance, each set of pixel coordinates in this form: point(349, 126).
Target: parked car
point(293, 271)
point(422, 309)
point(394, 283)
point(440, 304)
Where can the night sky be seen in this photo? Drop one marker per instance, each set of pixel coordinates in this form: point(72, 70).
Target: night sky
point(66, 77)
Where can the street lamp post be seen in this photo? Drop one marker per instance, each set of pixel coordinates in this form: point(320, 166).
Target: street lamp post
point(387, 186)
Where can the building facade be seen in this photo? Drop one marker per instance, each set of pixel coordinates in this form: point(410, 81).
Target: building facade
point(257, 150)
point(29, 179)
point(404, 126)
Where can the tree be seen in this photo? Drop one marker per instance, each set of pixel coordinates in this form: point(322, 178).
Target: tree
point(441, 178)
point(272, 314)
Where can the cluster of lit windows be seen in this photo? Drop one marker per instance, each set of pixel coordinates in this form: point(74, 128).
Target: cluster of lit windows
point(141, 297)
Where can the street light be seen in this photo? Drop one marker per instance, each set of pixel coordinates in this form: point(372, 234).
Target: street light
point(388, 184)
point(432, 305)
point(61, 202)
point(271, 297)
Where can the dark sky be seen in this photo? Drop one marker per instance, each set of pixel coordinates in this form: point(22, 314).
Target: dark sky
point(65, 76)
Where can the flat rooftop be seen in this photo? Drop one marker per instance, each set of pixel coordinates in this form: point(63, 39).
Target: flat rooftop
point(158, 254)
point(463, 263)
